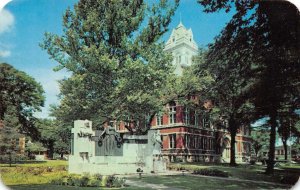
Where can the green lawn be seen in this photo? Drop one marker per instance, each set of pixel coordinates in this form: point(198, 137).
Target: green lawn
point(36, 175)
point(29, 163)
point(248, 172)
point(195, 182)
point(33, 172)
point(50, 187)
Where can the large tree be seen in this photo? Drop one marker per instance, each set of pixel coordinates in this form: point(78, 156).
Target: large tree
point(269, 30)
point(228, 91)
point(54, 136)
point(117, 65)
point(9, 135)
point(260, 136)
point(48, 134)
point(287, 129)
point(24, 94)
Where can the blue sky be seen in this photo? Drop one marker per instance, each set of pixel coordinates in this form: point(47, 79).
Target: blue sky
point(23, 23)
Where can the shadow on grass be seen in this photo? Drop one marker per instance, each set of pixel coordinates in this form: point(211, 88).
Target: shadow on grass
point(58, 187)
point(192, 182)
point(6, 164)
point(47, 186)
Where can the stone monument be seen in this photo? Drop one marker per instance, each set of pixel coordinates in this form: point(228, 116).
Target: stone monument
point(108, 152)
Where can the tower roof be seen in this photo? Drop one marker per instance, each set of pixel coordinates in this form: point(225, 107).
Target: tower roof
point(180, 35)
point(180, 25)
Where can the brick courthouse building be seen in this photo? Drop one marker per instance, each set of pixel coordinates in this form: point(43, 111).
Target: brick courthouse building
point(188, 135)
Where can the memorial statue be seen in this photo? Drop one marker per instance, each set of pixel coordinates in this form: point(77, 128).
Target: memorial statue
point(110, 140)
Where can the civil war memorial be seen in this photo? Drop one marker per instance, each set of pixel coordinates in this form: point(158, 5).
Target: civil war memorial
point(108, 152)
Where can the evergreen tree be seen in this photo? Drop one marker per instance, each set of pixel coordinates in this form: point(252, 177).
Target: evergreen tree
point(10, 134)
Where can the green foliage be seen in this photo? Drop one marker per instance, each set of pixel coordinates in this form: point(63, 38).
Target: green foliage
point(32, 172)
point(117, 66)
point(180, 88)
point(23, 94)
point(54, 136)
point(211, 172)
point(34, 147)
point(89, 181)
point(10, 135)
point(260, 138)
point(263, 40)
point(228, 88)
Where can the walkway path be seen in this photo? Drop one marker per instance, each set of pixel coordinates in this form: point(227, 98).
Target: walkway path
point(149, 185)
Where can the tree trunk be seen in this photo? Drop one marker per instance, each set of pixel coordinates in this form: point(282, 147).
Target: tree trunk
point(233, 130)
point(285, 148)
point(10, 159)
point(50, 150)
point(61, 155)
point(271, 156)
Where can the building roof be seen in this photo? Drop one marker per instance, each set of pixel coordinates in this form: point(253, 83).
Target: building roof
point(181, 35)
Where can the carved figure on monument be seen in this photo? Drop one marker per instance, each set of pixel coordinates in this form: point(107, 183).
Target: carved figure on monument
point(157, 143)
point(110, 140)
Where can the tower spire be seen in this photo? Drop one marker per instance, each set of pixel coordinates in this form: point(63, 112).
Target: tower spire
point(180, 19)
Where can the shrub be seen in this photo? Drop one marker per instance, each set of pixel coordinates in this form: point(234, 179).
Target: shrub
point(71, 180)
point(211, 172)
point(119, 182)
point(110, 181)
point(98, 177)
point(113, 181)
point(84, 180)
point(94, 183)
point(289, 179)
point(252, 162)
point(58, 181)
point(96, 180)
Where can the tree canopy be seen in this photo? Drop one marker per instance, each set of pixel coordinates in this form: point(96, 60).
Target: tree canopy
point(118, 66)
point(20, 92)
point(263, 36)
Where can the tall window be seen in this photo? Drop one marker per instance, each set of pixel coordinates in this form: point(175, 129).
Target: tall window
point(201, 142)
point(205, 122)
point(187, 141)
point(195, 145)
point(186, 116)
point(159, 119)
point(172, 113)
point(196, 118)
point(172, 140)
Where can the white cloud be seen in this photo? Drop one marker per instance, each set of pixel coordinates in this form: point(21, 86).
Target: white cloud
point(5, 53)
point(7, 20)
point(3, 3)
